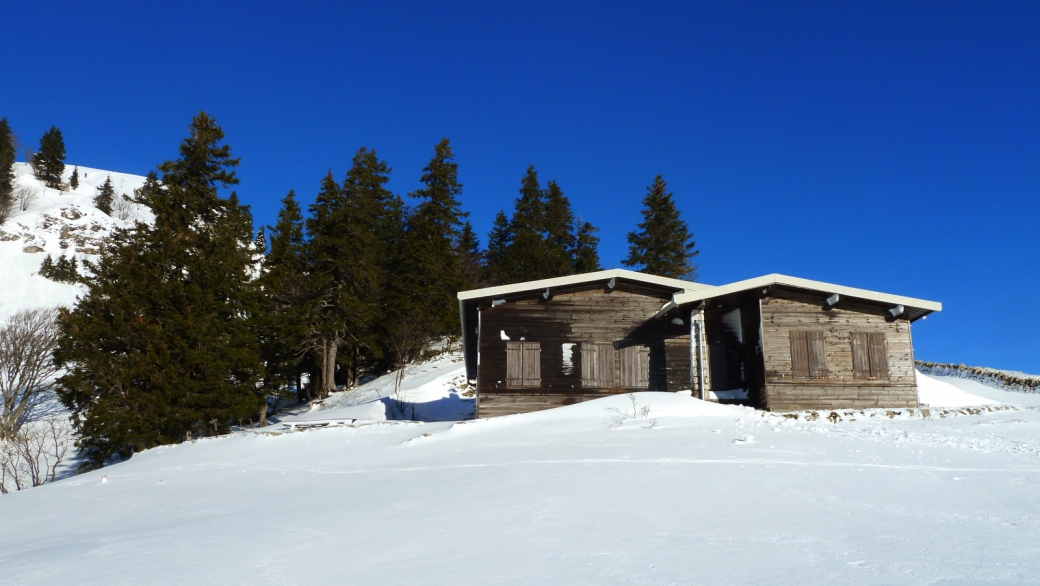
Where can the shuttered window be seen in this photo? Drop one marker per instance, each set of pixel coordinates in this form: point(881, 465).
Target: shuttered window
point(635, 367)
point(869, 355)
point(808, 354)
point(597, 365)
point(523, 364)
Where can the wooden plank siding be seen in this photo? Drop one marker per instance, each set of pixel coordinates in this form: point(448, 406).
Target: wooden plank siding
point(837, 381)
point(621, 319)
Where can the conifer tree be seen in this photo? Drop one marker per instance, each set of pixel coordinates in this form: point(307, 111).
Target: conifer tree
point(49, 163)
point(105, 196)
point(663, 245)
point(586, 254)
point(260, 242)
point(74, 180)
point(500, 241)
point(471, 259)
point(432, 264)
point(8, 152)
point(162, 346)
point(560, 239)
point(528, 257)
point(345, 262)
point(282, 320)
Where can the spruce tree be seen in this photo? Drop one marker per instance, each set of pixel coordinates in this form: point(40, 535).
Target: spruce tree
point(432, 264)
point(663, 245)
point(74, 180)
point(105, 196)
point(8, 153)
point(500, 241)
point(345, 263)
point(282, 320)
point(260, 242)
point(471, 259)
point(162, 345)
point(528, 257)
point(49, 163)
point(586, 254)
point(560, 239)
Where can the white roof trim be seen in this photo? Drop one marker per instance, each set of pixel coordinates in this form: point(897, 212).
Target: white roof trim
point(501, 290)
point(775, 279)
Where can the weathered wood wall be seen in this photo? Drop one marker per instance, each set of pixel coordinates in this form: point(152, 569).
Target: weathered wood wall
point(785, 311)
point(596, 314)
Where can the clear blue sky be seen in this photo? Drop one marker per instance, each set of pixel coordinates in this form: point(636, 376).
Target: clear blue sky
point(890, 146)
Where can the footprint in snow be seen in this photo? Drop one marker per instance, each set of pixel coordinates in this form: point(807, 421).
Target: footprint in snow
point(747, 439)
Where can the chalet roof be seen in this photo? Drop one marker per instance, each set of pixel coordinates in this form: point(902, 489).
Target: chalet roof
point(914, 308)
point(676, 285)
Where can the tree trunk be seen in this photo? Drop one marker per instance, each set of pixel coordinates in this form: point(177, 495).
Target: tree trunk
point(263, 414)
point(329, 347)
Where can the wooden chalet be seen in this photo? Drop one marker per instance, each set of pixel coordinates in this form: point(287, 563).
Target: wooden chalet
point(774, 342)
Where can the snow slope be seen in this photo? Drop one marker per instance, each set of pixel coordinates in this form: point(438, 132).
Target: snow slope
point(595, 493)
point(58, 222)
point(431, 391)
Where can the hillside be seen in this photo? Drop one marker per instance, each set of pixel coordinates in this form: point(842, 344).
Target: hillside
point(56, 223)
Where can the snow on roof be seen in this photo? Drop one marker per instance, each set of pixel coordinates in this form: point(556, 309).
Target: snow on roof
point(501, 290)
point(924, 307)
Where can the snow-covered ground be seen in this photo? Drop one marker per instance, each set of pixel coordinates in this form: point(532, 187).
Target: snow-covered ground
point(595, 493)
point(56, 223)
point(434, 390)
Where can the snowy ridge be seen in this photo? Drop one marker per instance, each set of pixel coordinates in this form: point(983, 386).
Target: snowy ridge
point(56, 223)
point(1018, 382)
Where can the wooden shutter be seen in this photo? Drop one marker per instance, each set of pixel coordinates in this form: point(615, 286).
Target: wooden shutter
point(635, 367)
point(799, 353)
point(817, 354)
point(523, 364)
point(860, 355)
point(514, 364)
point(532, 364)
point(597, 365)
point(719, 367)
point(878, 356)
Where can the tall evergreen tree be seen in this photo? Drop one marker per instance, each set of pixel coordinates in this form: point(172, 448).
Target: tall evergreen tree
point(282, 320)
point(105, 195)
point(471, 259)
point(345, 262)
point(8, 152)
point(432, 265)
point(161, 345)
point(528, 257)
point(560, 239)
point(663, 245)
point(586, 253)
point(49, 163)
point(74, 180)
point(500, 241)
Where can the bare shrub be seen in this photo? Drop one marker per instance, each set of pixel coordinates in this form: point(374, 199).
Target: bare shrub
point(123, 208)
point(409, 339)
point(32, 456)
point(27, 372)
point(26, 196)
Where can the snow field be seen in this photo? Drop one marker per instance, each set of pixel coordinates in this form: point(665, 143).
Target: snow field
point(557, 497)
